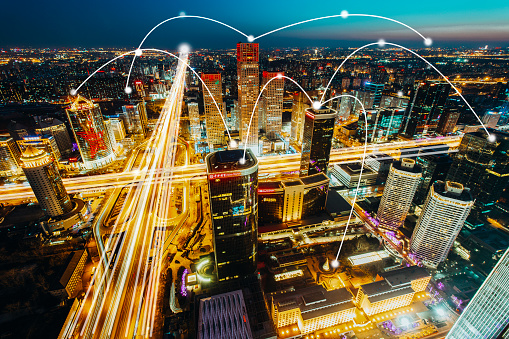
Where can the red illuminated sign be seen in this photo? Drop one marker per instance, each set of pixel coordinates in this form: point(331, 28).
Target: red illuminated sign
point(224, 175)
point(266, 190)
point(310, 115)
point(73, 159)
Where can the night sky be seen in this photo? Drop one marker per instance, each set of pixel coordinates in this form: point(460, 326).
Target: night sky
point(96, 23)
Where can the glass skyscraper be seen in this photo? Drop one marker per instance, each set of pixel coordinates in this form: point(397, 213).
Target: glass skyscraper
point(317, 141)
point(233, 186)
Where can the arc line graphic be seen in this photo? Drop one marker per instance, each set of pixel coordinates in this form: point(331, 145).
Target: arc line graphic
point(181, 17)
point(362, 166)
point(342, 16)
point(258, 99)
point(420, 57)
point(172, 55)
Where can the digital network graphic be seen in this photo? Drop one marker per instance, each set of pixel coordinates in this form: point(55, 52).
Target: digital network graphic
point(136, 282)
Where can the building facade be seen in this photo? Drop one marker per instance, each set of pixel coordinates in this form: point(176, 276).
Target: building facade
point(92, 137)
point(434, 167)
point(233, 186)
point(398, 193)
point(444, 213)
point(9, 156)
point(272, 103)
point(382, 124)
point(215, 125)
point(317, 141)
point(135, 118)
point(44, 178)
point(248, 83)
point(58, 130)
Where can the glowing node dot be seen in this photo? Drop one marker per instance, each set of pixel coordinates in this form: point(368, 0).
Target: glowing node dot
point(233, 144)
point(182, 13)
point(128, 90)
point(138, 52)
point(73, 91)
point(250, 38)
point(381, 42)
point(334, 263)
point(400, 93)
point(242, 161)
point(279, 76)
point(344, 14)
point(492, 138)
point(184, 48)
point(428, 42)
point(317, 105)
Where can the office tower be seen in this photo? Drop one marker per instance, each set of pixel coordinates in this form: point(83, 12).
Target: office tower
point(17, 130)
point(393, 100)
point(42, 174)
point(425, 108)
point(490, 119)
point(382, 124)
point(487, 314)
point(380, 163)
point(483, 167)
point(47, 143)
point(109, 131)
point(248, 88)
point(233, 185)
point(214, 123)
point(448, 121)
point(117, 126)
point(434, 167)
point(399, 191)
point(58, 130)
point(444, 213)
point(273, 103)
point(135, 118)
point(140, 88)
point(300, 105)
point(9, 156)
point(194, 120)
point(90, 133)
point(377, 90)
point(317, 140)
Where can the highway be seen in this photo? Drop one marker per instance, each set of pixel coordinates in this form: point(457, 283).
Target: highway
point(268, 165)
point(124, 298)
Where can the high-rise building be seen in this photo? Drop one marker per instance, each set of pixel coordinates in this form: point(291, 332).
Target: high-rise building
point(317, 140)
point(9, 156)
point(233, 185)
point(426, 106)
point(135, 118)
point(273, 103)
point(448, 121)
point(214, 123)
point(117, 126)
point(490, 119)
point(45, 142)
point(90, 133)
point(382, 124)
point(434, 167)
point(377, 90)
point(482, 166)
point(398, 193)
point(444, 213)
point(44, 178)
point(300, 105)
point(487, 313)
point(58, 130)
point(248, 88)
point(194, 120)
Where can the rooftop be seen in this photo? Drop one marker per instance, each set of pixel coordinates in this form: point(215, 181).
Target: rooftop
point(404, 276)
point(407, 166)
point(452, 190)
point(314, 179)
point(230, 160)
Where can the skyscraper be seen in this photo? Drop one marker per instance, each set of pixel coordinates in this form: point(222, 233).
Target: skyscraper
point(214, 123)
point(317, 140)
point(248, 88)
point(45, 180)
point(425, 108)
point(483, 166)
point(135, 118)
point(398, 193)
point(377, 90)
point(273, 102)
point(194, 120)
point(383, 124)
point(9, 156)
point(490, 119)
point(58, 130)
point(299, 106)
point(434, 167)
point(445, 211)
point(448, 121)
point(91, 135)
point(233, 185)
point(45, 142)
point(487, 314)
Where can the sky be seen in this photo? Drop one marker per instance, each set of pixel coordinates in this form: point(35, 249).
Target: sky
point(96, 23)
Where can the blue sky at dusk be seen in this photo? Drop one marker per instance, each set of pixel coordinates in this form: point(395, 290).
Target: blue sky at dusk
point(96, 23)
